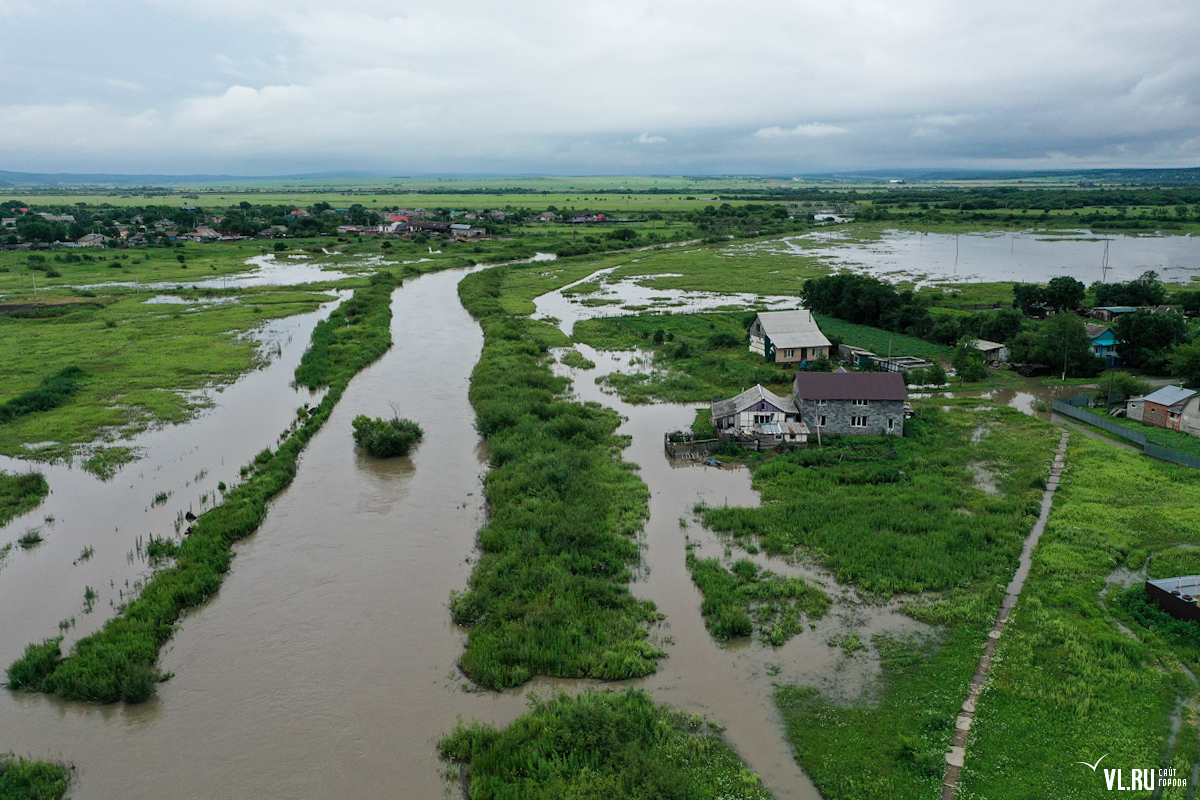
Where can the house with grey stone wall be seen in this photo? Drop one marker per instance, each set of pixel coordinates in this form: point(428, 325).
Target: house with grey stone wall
point(853, 403)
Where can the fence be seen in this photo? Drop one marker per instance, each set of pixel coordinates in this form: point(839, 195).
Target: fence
point(1069, 410)
point(1067, 407)
point(690, 450)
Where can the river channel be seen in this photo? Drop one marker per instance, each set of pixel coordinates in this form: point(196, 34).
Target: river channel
point(326, 664)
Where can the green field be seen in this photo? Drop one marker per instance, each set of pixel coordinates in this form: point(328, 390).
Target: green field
point(1069, 685)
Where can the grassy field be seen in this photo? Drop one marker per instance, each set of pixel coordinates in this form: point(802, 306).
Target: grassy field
point(549, 595)
point(600, 745)
point(137, 359)
point(1175, 440)
point(119, 661)
point(1068, 684)
point(939, 515)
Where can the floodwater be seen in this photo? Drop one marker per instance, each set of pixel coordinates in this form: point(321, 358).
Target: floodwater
point(45, 584)
point(1031, 257)
point(326, 665)
point(731, 683)
point(267, 270)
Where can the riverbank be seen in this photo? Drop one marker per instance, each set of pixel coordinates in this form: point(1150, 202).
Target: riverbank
point(119, 662)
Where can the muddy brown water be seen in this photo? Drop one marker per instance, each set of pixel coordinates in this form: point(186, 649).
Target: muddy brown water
point(326, 664)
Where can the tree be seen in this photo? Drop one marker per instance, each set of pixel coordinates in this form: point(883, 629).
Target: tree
point(1063, 341)
point(1119, 386)
point(1185, 364)
point(1064, 292)
point(1028, 297)
point(1147, 339)
point(968, 361)
point(1002, 325)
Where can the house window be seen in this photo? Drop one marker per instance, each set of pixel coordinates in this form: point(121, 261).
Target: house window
point(789, 353)
point(891, 425)
point(860, 402)
point(821, 421)
point(858, 422)
point(761, 418)
point(820, 404)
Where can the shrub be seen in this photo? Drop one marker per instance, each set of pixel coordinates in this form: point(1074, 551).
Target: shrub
point(386, 437)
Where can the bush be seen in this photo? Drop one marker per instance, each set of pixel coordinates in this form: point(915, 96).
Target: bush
point(386, 437)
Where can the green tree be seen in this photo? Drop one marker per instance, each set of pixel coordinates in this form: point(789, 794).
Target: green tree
point(1028, 297)
point(1064, 292)
point(1185, 364)
point(969, 361)
point(1062, 342)
point(1147, 339)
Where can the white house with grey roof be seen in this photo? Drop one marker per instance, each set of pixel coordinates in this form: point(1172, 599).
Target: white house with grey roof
point(760, 413)
point(788, 337)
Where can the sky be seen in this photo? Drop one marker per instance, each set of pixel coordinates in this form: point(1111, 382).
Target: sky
point(248, 87)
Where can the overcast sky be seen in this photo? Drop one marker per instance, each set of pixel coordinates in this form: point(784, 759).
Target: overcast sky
point(251, 87)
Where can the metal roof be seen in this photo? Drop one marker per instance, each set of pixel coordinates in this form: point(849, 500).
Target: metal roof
point(1169, 395)
point(755, 394)
point(850, 386)
point(792, 329)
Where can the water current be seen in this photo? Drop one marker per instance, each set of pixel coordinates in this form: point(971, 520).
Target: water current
point(326, 664)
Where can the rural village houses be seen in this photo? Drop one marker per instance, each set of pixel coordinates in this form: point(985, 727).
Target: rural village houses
point(857, 403)
point(788, 337)
point(1171, 407)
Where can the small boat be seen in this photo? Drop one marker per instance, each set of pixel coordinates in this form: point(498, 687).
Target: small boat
point(712, 462)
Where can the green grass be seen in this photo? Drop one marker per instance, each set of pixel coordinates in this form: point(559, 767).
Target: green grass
point(576, 359)
point(893, 514)
point(119, 661)
point(139, 359)
point(20, 493)
point(878, 340)
point(54, 391)
point(28, 779)
point(1174, 440)
point(745, 599)
point(1068, 683)
point(549, 595)
point(600, 745)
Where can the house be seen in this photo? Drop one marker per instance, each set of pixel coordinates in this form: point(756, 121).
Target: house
point(859, 403)
point(1104, 343)
point(857, 356)
point(788, 337)
point(1177, 596)
point(1171, 407)
point(1110, 313)
point(547, 216)
point(994, 353)
point(900, 363)
point(93, 240)
point(761, 414)
point(466, 231)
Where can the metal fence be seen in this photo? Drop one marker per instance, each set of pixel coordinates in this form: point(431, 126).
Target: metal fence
point(1174, 456)
point(1067, 408)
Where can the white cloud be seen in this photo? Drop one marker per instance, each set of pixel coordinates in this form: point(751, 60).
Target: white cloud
point(648, 139)
point(812, 129)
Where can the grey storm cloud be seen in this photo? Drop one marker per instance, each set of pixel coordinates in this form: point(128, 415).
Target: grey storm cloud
point(606, 87)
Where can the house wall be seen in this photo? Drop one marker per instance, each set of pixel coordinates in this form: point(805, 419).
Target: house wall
point(1190, 420)
point(838, 414)
point(1135, 410)
point(1155, 414)
point(800, 354)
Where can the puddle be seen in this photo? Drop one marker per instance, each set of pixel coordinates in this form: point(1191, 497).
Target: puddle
point(267, 271)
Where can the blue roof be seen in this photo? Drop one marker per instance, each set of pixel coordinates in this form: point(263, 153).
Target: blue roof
point(1169, 395)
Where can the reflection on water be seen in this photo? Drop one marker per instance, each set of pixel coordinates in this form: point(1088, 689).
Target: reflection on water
point(934, 258)
point(268, 271)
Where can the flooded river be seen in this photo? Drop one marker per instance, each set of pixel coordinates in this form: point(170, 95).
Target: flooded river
point(326, 664)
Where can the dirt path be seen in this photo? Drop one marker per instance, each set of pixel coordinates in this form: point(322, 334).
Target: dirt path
point(957, 752)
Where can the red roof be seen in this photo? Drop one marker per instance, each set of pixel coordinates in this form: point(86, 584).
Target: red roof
point(850, 386)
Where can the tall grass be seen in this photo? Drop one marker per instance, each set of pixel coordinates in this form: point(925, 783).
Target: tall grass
point(743, 598)
point(20, 493)
point(549, 595)
point(27, 779)
point(118, 662)
point(55, 390)
point(600, 745)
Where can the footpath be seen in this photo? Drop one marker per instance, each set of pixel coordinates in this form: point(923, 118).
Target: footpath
point(958, 744)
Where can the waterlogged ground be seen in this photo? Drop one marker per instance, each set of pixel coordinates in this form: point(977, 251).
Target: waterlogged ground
point(1030, 257)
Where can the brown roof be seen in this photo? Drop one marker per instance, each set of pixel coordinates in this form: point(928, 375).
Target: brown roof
point(850, 386)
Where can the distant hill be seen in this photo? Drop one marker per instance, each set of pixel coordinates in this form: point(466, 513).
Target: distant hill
point(36, 179)
point(1184, 176)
